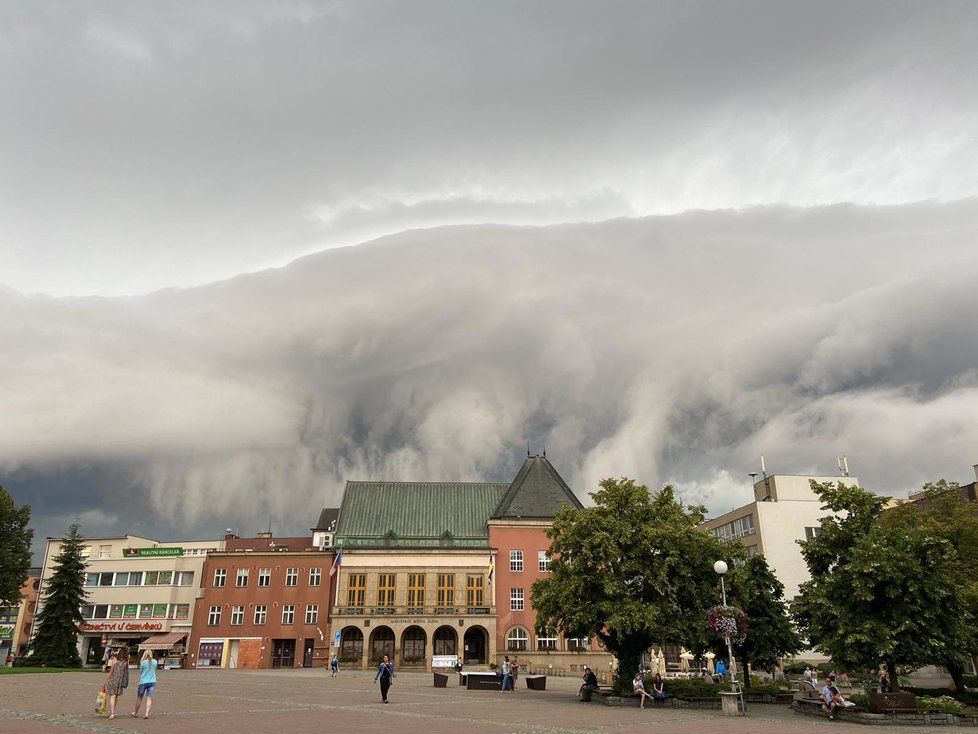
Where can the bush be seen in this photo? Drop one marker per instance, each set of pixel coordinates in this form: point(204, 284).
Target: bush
point(968, 698)
point(943, 705)
point(860, 699)
point(795, 668)
point(971, 681)
point(693, 689)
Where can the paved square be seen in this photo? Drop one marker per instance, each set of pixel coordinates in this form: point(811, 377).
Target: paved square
point(310, 702)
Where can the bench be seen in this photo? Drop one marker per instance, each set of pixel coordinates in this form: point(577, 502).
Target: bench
point(536, 682)
point(892, 703)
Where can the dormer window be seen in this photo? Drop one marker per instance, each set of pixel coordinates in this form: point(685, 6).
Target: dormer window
point(447, 540)
point(390, 540)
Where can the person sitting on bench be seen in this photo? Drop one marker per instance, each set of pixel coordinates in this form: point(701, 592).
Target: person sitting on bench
point(590, 684)
point(829, 704)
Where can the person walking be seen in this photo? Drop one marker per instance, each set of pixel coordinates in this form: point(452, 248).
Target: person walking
point(147, 683)
point(334, 666)
point(514, 669)
point(638, 687)
point(118, 679)
point(386, 676)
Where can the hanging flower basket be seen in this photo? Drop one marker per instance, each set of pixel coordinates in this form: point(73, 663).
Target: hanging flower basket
point(726, 621)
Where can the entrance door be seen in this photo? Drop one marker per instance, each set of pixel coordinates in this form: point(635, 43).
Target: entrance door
point(307, 653)
point(283, 653)
point(475, 643)
point(95, 651)
point(233, 653)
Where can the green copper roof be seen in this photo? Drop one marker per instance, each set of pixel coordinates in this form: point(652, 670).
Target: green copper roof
point(537, 492)
point(417, 514)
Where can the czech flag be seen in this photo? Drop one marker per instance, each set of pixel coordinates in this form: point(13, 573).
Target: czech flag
point(336, 563)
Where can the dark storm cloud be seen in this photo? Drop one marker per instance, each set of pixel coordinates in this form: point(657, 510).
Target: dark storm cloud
point(672, 348)
point(147, 145)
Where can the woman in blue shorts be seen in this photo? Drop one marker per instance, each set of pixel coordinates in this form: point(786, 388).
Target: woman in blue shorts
point(147, 682)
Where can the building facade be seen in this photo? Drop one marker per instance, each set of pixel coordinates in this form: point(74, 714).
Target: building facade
point(518, 535)
point(16, 621)
point(784, 511)
point(140, 593)
point(264, 602)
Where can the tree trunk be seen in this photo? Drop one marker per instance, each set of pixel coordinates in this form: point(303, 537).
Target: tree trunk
point(956, 669)
point(891, 671)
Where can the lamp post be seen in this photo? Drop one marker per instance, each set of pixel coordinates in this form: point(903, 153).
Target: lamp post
point(721, 568)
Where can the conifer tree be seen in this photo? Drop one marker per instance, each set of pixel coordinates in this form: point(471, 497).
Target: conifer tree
point(55, 643)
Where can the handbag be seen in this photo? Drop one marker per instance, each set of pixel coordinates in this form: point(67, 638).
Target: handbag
point(100, 702)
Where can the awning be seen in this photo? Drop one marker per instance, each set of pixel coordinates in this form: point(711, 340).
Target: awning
point(163, 642)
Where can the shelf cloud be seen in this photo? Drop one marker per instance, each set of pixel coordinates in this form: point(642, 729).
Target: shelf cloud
point(673, 349)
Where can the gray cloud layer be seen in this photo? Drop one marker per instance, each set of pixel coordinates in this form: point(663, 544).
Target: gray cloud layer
point(669, 348)
point(146, 145)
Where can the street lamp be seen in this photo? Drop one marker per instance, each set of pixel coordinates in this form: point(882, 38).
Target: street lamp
point(721, 568)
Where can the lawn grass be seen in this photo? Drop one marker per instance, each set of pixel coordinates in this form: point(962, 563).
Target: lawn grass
point(27, 671)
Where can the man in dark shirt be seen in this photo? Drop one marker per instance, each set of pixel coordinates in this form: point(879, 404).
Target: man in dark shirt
point(590, 684)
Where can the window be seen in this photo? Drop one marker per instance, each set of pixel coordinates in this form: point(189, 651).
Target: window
point(98, 579)
point(516, 561)
point(261, 612)
point(738, 528)
point(446, 590)
point(241, 579)
point(86, 610)
point(264, 577)
point(312, 613)
point(122, 579)
point(288, 613)
point(546, 640)
point(474, 587)
point(186, 578)
point(181, 611)
point(810, 533)
point(91, 579)
point(751, 550)
point(105, 551)
point(101, 611)
point(577, 643)
point(220, 577)
point(517, 639)
point(159, 578)
point(291, 576)
point(516, 600)
point(385, 589)
point(214, 616)
point(237, 615)
point(543, 562)
point(415, 597)
point(356, 590)
point(315, 576)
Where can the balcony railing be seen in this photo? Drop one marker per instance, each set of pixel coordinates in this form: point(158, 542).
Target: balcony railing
point(373, 611)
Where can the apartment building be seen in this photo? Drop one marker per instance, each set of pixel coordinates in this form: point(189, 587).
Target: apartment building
point(140, 592)
point(264, 602)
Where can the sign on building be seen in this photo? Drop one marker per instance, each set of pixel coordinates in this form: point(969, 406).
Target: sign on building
point(152, 552)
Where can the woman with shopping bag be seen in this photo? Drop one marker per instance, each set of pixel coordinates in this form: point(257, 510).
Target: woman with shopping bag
point(118, 679)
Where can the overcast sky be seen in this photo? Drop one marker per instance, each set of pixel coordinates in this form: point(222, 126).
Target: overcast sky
point(827, 308)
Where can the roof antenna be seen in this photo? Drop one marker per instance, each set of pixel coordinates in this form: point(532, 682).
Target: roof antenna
point(844, 465)
point(545, 451)
point(527, 449)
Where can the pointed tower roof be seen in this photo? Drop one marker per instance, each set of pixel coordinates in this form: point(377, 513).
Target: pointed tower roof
point(537, 492)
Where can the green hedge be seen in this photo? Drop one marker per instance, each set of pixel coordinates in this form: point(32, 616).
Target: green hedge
point(968, 698)
point(692, 689)
point(942, 704)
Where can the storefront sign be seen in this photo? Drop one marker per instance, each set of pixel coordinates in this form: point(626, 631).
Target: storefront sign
point(121, 627)
point(444, 661)
point(152, 552)
point(6, 632)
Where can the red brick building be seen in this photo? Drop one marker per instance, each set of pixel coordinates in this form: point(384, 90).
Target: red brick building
point(518, 533)
point(264, 602)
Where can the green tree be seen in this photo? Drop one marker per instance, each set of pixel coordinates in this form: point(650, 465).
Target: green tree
point(878, 592)
point(15, 548)
point(945, 513)
point(55, 643)
point(634, 569)
point(771, 634)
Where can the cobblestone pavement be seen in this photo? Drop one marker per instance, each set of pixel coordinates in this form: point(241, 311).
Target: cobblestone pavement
point(307, 701)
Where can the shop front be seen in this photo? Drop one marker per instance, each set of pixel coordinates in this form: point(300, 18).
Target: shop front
point(99, 639)
point(6, 641)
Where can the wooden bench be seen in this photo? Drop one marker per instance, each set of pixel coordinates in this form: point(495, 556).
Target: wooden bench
point(892, 703)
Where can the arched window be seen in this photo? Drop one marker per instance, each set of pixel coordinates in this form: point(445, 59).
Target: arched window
point(413, 646)
point(445, 641)
point(517, 639)
point(351, 645)
point(546, 640)
point(381, 643)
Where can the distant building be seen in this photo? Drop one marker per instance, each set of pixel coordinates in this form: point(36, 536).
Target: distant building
point(968, 492)
point(264, 602)
point(140, 593)
point(784, 511)
point(16, 621)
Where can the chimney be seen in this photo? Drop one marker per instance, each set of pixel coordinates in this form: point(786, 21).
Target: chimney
point(229, 534)
point(976, 472)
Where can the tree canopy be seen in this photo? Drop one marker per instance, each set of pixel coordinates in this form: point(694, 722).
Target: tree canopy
point(55, 642)
point(633, 570)
point(753, 587)
point(15, 548)
point(879, 591)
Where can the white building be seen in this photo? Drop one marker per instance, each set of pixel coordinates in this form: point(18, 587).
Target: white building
point(784, 511)
point(140, 592)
